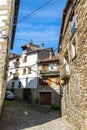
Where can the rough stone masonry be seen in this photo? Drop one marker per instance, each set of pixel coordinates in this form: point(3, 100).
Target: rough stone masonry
point(73, 51)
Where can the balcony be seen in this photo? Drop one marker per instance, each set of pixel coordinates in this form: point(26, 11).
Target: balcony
point(65, 72)
point(49, 73)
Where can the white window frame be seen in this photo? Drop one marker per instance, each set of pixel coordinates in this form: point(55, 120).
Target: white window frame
point(73, 45)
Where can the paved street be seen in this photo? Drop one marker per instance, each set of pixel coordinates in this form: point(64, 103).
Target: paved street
point(23, 118)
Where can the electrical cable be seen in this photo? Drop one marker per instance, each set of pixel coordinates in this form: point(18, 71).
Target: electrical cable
point(30, 14)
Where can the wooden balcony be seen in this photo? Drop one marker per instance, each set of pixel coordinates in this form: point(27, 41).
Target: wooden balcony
point(65, 72)
point(49, 73)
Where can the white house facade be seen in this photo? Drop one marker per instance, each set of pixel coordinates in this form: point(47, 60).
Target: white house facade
point(26, 72)
point(23, 73)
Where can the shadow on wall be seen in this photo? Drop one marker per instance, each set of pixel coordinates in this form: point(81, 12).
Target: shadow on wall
point(47, 95)
point(24, 88)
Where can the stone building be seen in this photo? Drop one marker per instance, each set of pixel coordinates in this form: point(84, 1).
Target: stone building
point(73, 55)
point(8, 20)
point(49, 80)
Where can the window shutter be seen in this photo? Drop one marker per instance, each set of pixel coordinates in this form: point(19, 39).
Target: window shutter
point(49, 81)
point(16, 72)
point(58, 80)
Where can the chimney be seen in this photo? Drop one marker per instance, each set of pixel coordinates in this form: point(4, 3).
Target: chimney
point(42, 45)
point(51, 55)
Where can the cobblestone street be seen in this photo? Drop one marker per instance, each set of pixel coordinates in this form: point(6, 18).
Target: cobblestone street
point(23, 118)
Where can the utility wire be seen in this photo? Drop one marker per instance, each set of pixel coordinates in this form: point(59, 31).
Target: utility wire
point(30, 14)
point(43, 8)
point(56, 49)
point(36, 41)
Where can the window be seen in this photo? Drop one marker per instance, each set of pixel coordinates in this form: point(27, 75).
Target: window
point(16, 73)
point(29, 70)
point(19, 85)
point(12, 84)
point(72, 23)
point(10, 73)
point(24, 71)
point(25, 59)
point(40, 81)
point(16, 63)
point(73, 49)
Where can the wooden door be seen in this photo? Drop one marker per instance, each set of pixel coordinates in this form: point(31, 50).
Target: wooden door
point(27, 95)
point(45, 98)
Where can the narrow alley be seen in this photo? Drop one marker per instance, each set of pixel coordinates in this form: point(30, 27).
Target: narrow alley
point(22, 116)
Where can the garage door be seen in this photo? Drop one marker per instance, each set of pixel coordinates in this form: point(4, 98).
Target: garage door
point(45, 98)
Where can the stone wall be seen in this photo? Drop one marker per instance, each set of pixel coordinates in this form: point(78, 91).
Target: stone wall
point(53, 87)
point(5, 18)
point(74, 100)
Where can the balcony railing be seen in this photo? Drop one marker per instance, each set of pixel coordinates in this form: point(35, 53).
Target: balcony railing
point(47, 72)
point(65, 72)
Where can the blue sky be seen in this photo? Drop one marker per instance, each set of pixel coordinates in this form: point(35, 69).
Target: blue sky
point(43, 27)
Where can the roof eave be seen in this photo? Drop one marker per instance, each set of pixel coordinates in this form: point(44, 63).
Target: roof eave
point(63, 20)
point(17, 2)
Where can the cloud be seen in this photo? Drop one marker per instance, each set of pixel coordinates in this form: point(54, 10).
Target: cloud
point(38, 32)
point(43, 26)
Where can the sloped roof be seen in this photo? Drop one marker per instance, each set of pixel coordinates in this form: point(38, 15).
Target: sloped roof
point(54, 58)
point(63, 18)
point(13, 56)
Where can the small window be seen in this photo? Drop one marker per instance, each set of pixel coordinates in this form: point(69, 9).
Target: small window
point(40, 81)
point(10, 73)
point(24, 71)
point(12, 84)
point(29, 70)
point(25, 59)
point(19, 85)
point(73, 49)
point(72, 23)
point(16, 73)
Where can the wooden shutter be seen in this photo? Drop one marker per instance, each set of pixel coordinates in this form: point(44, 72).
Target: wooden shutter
point(16, 73)
point(49, 81)
point(29, 70)
point(24, 71)
point(58, 80)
